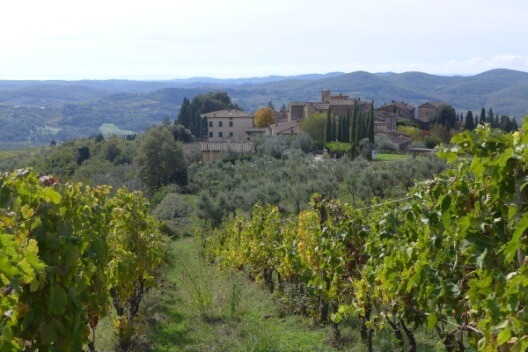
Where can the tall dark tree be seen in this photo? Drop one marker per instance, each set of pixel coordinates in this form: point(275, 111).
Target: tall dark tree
point(334, 128)
point(342, 128)
point(445, 116)
point(184, 116)
point(353, 138)
point(469, 124)
point(482, 119)
point(205, 103)
point(329, 136)
point(370, 124)
point(347, 127)
point(514, 125)
point(490, 117)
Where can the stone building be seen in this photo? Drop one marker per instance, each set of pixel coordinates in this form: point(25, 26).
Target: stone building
point(401, 109)
point(339, 104)
point(427, 110)
point(224, 124)
point(384, 121)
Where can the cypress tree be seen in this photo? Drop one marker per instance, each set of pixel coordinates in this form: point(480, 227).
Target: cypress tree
point(328, 133)
point(469, 123)
point(347, 127)
point(339, 128)
point(334, 129)
point(184, 116)
point(358, 131)
point(370, 130)
point(490, 116)
point(514, 125)
point(353, 133)
point(482, 116)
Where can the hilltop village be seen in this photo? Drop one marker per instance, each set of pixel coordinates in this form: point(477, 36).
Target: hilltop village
point(233, 129)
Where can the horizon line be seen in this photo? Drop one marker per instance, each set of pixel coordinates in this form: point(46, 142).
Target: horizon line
point(251, 77)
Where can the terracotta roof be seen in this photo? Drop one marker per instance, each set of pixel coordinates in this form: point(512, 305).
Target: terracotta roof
point(227, 113)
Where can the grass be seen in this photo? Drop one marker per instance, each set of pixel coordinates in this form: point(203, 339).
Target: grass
point(199, 308)
point(390, 157)
point(108, 129)
point(208, 310)
point(17, 153)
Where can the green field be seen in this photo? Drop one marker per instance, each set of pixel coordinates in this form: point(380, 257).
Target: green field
point(108, 129)
point(390, 157)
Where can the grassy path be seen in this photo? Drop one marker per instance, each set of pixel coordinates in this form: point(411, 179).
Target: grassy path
point(199, 308)
point(207, 310)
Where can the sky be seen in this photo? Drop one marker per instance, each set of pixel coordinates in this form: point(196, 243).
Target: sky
point(170, 39)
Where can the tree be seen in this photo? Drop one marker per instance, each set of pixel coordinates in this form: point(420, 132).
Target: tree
point(491, 118)
point(264, 117)
point(315, 126)
point(160, 159)
point(182, 134)
point(445, 116)
point(469, 124)
point(202, 104)
point(184, 116)
point(482, 116)
point(329, 127)
point(370, 124)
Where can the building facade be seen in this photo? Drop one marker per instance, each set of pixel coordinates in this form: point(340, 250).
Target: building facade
point(401, 109)
point(339, 105)
point(426, 111)
point(228, 124)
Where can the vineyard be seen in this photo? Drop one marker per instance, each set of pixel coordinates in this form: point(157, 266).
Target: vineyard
point(449, 256)
point(69, 256)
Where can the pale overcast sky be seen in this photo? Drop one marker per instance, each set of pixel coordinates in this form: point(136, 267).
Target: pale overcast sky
point(162, 39)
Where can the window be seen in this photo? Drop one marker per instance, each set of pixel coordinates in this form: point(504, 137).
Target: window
point(230, 123)
point(220, 134)
point(210, 123)
point(219, 123)
point(230, 134)
point(210, 134)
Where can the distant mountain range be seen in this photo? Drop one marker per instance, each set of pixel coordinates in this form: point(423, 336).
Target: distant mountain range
point(135, 105)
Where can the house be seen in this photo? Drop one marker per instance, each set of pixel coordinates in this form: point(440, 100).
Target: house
point(427, 110)
point(384, 121)
point(339, 104)
point(401, 109)
point(225, 124)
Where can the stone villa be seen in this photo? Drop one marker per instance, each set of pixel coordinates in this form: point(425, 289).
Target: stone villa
point(427, 110)
point(228, 124)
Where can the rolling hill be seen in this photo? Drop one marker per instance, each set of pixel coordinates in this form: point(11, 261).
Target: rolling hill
point(35, 112)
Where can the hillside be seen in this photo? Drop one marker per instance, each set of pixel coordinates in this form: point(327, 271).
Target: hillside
point(36, 112)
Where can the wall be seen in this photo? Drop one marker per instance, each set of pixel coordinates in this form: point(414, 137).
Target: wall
point(221, 124)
